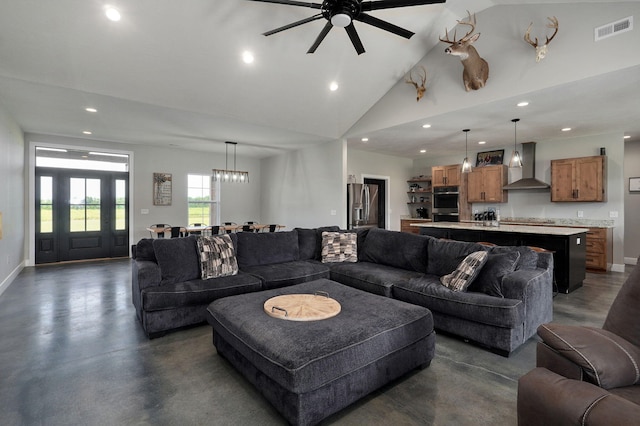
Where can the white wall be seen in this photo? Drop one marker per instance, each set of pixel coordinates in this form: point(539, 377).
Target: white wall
point(398, 170)
point(240, 202)
point(631, 202)
point(12, 200)
point(304, 188)
point(573, 55)
point(537, 203)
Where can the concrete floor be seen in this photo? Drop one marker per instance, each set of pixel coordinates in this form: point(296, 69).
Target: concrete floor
point(72, 353)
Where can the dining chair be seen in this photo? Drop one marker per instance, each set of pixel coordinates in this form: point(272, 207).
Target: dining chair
point(229, 231)
point(247, 228)
point(155, 230)
point(178, 231)
point(196, 232)
point(213, 230)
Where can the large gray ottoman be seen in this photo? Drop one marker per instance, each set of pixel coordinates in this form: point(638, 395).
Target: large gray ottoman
point(309, 370)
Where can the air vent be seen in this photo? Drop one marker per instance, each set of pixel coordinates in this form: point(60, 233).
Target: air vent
point(614, 28)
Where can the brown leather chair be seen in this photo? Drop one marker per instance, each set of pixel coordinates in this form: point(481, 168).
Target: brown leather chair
point(587, 375)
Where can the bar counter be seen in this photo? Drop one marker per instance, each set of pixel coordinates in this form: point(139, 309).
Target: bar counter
point(567, 244)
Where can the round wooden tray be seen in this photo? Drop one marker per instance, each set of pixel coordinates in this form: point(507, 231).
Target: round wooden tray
point(302, 307)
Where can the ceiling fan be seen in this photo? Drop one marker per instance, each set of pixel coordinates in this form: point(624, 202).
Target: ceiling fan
point(342, 13)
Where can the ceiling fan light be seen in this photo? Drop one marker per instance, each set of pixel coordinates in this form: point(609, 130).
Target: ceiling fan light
point(341, 20)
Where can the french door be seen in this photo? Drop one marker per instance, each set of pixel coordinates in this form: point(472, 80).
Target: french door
point(81, 214)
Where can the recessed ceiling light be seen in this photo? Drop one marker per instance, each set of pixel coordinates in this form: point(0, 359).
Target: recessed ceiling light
point(365, 139)
point(333, 86)
point(523, 104)
point(627, 137)
point(422, 151)
point(86, 132)
point(566, 129)
point(481, 142)
point(112, 14)
point(247, 57)
point(89, 109)
point(426, 126)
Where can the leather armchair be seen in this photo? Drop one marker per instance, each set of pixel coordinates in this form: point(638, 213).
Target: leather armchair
point(587, 375)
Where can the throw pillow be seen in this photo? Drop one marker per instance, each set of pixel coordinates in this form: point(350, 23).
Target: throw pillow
point(217, 257)
point(466, 272)
point(339, 247)
point(489, 281)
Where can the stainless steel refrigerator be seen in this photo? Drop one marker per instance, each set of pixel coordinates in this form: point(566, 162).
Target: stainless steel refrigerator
point(362, 206)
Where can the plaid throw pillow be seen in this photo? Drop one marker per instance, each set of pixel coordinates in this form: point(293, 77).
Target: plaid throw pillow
point(217, 257)
point(339, 247)
point(466, 272)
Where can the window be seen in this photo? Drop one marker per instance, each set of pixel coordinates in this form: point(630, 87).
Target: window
point(203, 199)
point(121, 205)
point(46, 204)
point(84, 205)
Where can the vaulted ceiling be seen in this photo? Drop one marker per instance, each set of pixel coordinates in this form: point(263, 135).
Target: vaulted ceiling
point(171, 74)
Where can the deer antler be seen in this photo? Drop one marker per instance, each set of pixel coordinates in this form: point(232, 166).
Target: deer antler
point(541, 51)
point(471, 22)
point(420, 88)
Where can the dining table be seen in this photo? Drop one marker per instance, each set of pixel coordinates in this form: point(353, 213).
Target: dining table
point(222, 228)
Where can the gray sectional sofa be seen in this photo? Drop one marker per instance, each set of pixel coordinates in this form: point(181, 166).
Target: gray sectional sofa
point(509, 299)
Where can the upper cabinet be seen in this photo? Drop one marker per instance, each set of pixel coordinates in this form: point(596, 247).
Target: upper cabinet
point(579, 179)
point(485, 184)
point(446, 175)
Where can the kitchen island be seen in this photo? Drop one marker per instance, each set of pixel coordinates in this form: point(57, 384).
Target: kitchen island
point(567, 244)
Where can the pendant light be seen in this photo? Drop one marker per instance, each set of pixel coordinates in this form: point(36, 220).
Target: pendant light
point(227, 175)
point(516, 160)
point(466, 165)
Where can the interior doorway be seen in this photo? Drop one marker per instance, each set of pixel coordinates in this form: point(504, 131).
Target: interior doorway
point(381, 199)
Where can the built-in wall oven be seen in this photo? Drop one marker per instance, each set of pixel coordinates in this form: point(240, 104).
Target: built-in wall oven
point(446, 206)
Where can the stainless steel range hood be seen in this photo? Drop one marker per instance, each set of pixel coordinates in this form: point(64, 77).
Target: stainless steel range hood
point(528, 180)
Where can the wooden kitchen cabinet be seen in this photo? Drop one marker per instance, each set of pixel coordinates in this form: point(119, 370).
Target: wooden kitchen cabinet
point(485, 184)
point(405, 225)
point(446, 175)
point(579, 179)
point(599, 249)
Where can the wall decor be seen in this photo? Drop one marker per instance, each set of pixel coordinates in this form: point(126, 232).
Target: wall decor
point(488, 158)
point(162, 189)
point(476, 69)
point(634, 184)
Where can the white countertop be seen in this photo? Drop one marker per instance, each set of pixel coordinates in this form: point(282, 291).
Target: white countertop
point(522, 229)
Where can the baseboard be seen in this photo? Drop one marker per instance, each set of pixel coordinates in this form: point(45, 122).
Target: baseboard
point(616, 267)
point(630, 260)
point(12, 276)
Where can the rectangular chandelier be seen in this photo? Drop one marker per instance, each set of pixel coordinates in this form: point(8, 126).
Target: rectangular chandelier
point(228, 175)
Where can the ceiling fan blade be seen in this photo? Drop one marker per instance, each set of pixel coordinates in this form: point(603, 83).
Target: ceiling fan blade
point(321, 37)
point(355, 39)
point(293, 3)
point(384, 25)
point(293, 24)
point(390, 4)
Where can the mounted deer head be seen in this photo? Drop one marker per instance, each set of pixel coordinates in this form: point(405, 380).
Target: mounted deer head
point(476, 69)
point(420, 88)
point(541, 51)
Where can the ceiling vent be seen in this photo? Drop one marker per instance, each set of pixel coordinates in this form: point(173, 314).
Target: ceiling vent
point(614, 28)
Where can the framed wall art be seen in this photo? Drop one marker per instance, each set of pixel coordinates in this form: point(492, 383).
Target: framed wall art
point(162, 189)
point(634, 184)
point(488, 158)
